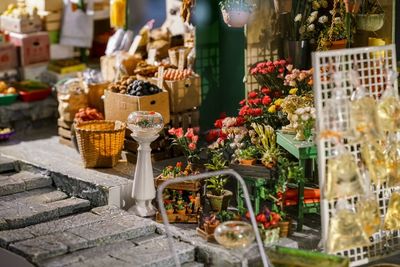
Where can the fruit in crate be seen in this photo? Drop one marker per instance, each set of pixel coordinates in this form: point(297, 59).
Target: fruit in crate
point(142, 88)
point(88, 114)
point(177, 75)
point(121, 85)
point(144, 69)
point(6, 90)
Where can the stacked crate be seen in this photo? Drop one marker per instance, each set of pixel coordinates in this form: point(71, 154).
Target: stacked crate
point(65, 133)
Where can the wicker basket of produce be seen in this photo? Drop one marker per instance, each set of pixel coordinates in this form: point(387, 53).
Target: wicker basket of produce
point(100, 142)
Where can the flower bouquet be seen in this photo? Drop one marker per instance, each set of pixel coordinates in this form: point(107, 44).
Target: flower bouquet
point(187, 142)
point(270, 74)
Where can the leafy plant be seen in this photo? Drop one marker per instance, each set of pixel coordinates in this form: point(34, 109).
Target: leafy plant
point(266, 142)
point(169, 206)
point(226, 215)
point(217, 183)
point(241, 5)
point(370, 7)
point(249, 153)
point(180, 206)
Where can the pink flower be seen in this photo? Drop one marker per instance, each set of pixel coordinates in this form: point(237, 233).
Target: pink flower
point(171, 131)
point(192, 146)
point(179, 132)
point(282, 62)
point(189, 134)
point(281, 70)
point(242, 103)
point(195, 138)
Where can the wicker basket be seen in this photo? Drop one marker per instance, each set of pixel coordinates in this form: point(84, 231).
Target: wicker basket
point(100, 142)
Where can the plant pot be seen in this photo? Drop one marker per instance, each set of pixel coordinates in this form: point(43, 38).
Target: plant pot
point(370, 22)
point(235, 18)
point(270, 236)
point(169, 212)
point(219, 203)
point(285, 228)
point(181, 212)
point(298, 53)
point(248, 162)
point(339, 44)
point(189, 211)
point(210, 228)
point(283, 6)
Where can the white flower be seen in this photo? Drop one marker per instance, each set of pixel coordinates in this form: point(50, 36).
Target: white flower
point(293, 83)
point(337, 20)
point(232, 145)
point(307, 109)
point(299, 111)
point(295, 117)
point(298, 18)
point(313, 115)
point(312, 111)
point(295, 125)
point(302, 29)
point(311, 19)
point(323, 19)
point(305, 117)
point(311, 28)
point(314, 14)
point(289, 67)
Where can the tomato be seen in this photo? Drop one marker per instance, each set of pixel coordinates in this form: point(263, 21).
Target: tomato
point(274, 223)
point(261, 218)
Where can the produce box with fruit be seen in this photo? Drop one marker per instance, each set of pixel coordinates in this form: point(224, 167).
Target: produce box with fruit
point(184, 87)
point(128, 95)
point(8, 94)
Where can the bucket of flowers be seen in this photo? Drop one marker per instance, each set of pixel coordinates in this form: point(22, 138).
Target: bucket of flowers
point(268, 225)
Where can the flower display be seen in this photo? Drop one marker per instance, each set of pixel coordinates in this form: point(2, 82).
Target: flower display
point(187, 143)
point(270, 73)
point(301, 81)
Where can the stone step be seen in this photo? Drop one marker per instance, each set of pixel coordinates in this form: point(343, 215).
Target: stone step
point(193, 264)
point(91, 229)
point(36, 206)
point(7, 165)
point(126, 253)
point(11, 183)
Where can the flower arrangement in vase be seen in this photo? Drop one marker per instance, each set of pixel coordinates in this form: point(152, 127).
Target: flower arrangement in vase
point(236, 13)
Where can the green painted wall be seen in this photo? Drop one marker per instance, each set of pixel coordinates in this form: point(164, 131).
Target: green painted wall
point(220, 63)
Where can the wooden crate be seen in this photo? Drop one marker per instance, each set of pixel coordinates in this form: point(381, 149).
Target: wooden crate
point(64, 131)
point(177, 218)
point(191, 186)
point(66, 141)
point(187, 119)
point(204, 235)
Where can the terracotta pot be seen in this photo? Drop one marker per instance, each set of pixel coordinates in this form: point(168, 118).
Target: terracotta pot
point(285, 228)
point(181, 212)
point(370, 22)
point(283, 6)
point(210, 228)
point(171, 211)
point(219, 203)
point(248, 162)
point(339, 44)
point(189, 211)
point(235, 18)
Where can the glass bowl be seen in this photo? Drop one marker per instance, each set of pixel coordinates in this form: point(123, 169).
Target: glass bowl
point(145, 123)
point(234, 234)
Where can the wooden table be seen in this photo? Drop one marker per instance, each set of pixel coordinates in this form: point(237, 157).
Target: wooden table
point(303, 151)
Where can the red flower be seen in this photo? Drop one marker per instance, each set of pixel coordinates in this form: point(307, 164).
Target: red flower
point(282, 62)
point(243, 102)
point(179, 164)
point(281, 70)
point(189, 134)
point(257, 111)
point(271, 69)
point(265, 90)
point(171, 131)
point(257, 101)
point(179, 132)
point(195, 138)
point(212, 135)
point(218, 123)
point(240, 121)
point(266, 100)
point(244, 110)
point(192, 146)
point(253, 94)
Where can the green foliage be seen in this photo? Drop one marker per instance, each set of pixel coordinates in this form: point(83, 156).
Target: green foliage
point(226, 215)
point(217, 183)
point(249, 153)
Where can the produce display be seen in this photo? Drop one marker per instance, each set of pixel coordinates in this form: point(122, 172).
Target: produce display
point(6, 90)
point(131, 86)
point(88, 114)
point(177, 75)
point(144, 69)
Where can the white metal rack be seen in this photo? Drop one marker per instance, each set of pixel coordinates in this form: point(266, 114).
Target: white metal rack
point(370, 62)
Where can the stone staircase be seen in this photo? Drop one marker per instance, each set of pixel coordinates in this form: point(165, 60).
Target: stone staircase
point(50, 228)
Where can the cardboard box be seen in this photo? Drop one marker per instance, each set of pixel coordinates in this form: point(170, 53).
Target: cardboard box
point(45, 5)
point(20, 25)
point(34, 47)
point(58, 51)
point(107, 65)
point(49, 16)
point(8, 56)
point(33, 72)
point(184, 95)
point(95, 93)
point(52, 26)
point(119, 106)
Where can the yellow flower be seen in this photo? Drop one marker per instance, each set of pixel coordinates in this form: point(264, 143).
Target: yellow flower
point(279, 101)
point(293, 91)
point(272, 109)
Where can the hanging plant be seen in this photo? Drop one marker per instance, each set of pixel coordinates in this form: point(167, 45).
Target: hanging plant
point(371, 16)
point(236, 13)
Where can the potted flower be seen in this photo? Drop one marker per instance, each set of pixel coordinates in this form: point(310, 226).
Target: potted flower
point(219, 197)
point(210, 224)
point(169, 208)
point(190, 208)
point(265, 140)
point(268, 225)
point(236, 13)
point(180, 209)
point(248, 156)
point(371, 16)
point(187, 142)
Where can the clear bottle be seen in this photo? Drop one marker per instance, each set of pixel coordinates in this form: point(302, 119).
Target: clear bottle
point(374, 159)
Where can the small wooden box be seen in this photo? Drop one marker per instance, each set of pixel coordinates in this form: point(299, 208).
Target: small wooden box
point(20, 25)
point(34, 47)
point(119, 106)
point(183, 95)
point(8, 56)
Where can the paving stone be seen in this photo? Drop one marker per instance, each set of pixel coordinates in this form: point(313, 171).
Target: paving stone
point(148, 238)
point(108, 210)
point(22, 181)
point(70, 206)
point(7, 165)
point(48, 246)
point(193, 264)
